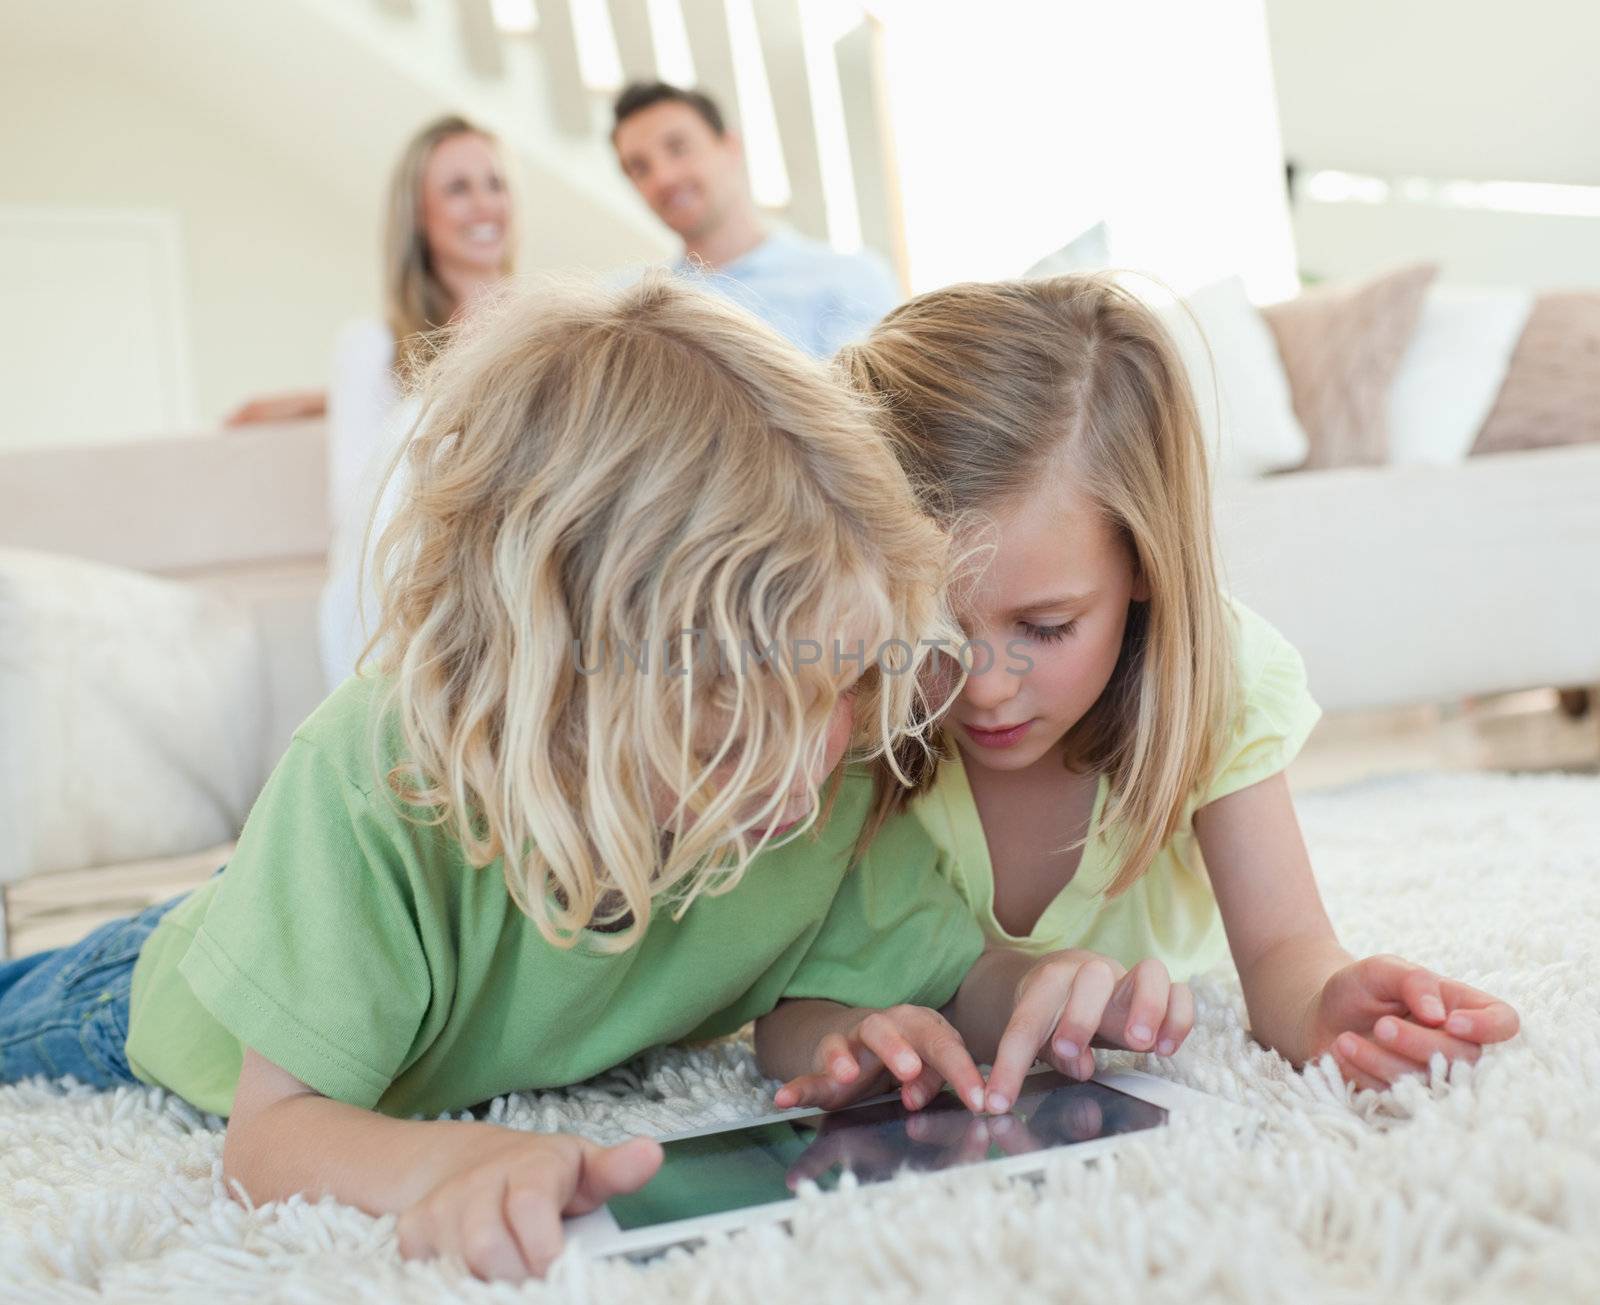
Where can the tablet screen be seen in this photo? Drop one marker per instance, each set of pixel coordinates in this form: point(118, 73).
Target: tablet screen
point(766, 1162)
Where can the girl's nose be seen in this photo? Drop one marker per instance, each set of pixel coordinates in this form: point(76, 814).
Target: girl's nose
point(990, 686)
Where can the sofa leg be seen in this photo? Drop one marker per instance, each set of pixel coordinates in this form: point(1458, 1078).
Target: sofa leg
point(1575, 703)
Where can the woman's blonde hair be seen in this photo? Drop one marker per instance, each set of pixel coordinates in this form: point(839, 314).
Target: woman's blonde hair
point(992, 390)
point(594, 476)
point(415, 301)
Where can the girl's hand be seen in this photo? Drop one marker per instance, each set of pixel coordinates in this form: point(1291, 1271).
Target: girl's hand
point(911, 1045)
point(1383, 1018)
point(500, 1204)
point(1068, 998)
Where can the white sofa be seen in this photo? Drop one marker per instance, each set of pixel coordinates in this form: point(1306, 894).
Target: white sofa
point(1399, 585)
point(205, 548)
point(1426, 583)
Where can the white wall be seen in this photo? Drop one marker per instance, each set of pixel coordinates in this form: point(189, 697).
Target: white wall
point(1443, 91)
point(267, 131)
point(272, 262)
point(1534, 251)
point(1475, 89)
point(94, 339)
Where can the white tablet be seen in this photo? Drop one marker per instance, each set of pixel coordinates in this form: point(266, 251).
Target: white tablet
point(721, 1179)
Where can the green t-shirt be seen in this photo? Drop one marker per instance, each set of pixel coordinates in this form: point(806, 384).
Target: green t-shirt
point(357, 950)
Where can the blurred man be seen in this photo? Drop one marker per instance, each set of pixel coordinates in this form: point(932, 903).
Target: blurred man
point(689, 167)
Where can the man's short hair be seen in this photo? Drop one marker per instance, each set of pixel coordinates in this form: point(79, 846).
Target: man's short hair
point(638, 96)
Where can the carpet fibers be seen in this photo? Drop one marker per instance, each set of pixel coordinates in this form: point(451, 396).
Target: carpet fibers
point(1482, 1183)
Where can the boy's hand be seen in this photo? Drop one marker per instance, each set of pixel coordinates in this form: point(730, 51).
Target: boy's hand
point(1383, 1018)
point(499, 1206)
point(911, 1045)
point(1067, 999)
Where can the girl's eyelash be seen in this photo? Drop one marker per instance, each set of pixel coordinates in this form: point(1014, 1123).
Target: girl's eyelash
point(1049, 633)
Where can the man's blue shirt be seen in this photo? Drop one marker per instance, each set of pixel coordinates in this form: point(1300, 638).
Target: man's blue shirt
point(810, 293)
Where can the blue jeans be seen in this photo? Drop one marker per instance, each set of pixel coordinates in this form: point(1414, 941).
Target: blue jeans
point(66, 1011)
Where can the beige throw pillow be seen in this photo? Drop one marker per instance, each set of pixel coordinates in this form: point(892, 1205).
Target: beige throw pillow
point(1341, 346)
point(1551, 393)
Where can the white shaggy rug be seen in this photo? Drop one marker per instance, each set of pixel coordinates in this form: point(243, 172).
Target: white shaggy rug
point(1483, 1184)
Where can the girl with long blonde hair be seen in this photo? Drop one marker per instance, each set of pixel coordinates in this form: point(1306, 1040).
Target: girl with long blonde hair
point(654, 575)
point(1111, 789)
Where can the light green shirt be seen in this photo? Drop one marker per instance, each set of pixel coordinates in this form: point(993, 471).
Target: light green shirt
point(358, 951)
point(1170, 912)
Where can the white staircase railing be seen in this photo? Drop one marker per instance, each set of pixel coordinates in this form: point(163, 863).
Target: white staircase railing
point(830, 118)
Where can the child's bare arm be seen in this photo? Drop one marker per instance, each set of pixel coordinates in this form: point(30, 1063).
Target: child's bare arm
point(284, 1137)
point(788, 1036)
point(829, 1055)
point(1381, 1017)
point(1278, 930)
point(492, 1196)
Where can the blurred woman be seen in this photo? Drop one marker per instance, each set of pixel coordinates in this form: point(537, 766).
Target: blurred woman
point(449, 238)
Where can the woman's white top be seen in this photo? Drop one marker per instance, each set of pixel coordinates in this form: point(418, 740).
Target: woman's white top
point(367, 422)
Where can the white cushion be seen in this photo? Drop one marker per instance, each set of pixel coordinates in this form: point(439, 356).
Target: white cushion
point(1451, 373)
point(131, 715)
point(1240, 388)
point(1088, 251)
